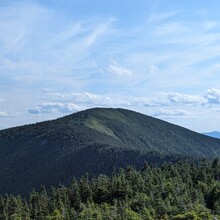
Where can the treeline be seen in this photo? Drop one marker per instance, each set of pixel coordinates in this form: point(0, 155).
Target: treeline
point(184, 190)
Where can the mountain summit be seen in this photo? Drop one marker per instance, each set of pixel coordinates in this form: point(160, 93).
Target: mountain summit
point(92, 141)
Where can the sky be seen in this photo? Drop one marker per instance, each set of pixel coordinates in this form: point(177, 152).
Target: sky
point(157, 57)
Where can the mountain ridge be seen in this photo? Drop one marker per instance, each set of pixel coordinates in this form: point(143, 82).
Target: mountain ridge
point(92, 141)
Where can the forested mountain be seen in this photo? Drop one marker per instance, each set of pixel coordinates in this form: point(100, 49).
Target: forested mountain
point(93, 141)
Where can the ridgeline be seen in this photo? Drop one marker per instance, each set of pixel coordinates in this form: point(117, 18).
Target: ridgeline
point(93, 141)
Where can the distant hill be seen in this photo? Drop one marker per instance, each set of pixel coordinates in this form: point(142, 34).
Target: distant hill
point(93, 141)
point(214, 134)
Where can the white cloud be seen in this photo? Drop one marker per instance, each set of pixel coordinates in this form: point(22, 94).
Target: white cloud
point(174, 107)
point(179, 98)
point(64, 108)
point(3, 113)
point(213, 96)
point(172, 113)
point(90, 99)
point(114, 100)
point(118, 70)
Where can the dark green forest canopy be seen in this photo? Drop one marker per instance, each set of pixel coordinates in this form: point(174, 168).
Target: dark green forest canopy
point(183, 190)
point(93, 141)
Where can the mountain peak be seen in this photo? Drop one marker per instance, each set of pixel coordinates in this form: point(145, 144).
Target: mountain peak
point(92, 141)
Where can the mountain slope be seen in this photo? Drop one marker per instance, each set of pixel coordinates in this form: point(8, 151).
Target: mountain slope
point(92, 141)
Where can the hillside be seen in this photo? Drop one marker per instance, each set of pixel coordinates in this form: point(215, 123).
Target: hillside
point(180, 191)
point(93, 141)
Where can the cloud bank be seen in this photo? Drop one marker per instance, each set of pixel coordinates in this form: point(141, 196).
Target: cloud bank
point(72, 102)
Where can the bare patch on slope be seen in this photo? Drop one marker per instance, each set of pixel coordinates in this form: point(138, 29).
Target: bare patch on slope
point(95, 124)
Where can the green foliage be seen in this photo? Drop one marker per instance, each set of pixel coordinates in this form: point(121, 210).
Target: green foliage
point(162, 193)
point(56, 215)
point(188, 216)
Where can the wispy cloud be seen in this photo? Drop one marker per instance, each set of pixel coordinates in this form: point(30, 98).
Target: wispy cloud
point(64, 108)
point(48, 45)
point(90, 99)
point(171, 28)
point(163, 16)
point(173, 113)
point(3, 113)
point(102, 29)
point(37, 42)
point(118, 70)
point(156, 59)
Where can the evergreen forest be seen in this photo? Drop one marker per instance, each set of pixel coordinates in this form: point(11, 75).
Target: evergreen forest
point(182, 190)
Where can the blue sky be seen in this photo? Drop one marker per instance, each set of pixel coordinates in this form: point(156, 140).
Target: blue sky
point(161, 58)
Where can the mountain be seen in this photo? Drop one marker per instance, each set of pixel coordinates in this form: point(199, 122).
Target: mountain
point(93, 141)
point(214, 134)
